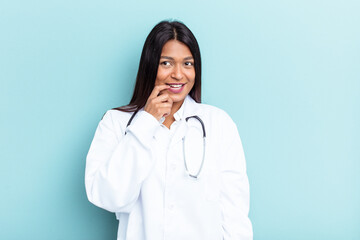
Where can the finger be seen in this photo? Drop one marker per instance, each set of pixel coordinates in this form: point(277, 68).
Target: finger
point(163, 91)
point(162, 98)
point(166, 111)
point(157, 89)
point(164, 105)
point(170, 100)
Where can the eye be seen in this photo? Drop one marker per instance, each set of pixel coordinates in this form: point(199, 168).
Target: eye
point(165, 63)
point(189, 64)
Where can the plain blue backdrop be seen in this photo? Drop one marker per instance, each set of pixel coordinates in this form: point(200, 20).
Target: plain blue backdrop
point(287, 72)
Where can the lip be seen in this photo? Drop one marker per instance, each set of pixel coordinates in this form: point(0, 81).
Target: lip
point(177, 89)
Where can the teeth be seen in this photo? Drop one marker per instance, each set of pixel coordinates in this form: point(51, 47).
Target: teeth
point(175, 85)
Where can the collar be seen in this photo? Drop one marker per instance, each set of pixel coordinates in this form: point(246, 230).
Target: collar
point(187, 109)
point(191, 108)
point(180, 113)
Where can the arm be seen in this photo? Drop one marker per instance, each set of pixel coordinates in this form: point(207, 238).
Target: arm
point(116, 168)
point(235, 189)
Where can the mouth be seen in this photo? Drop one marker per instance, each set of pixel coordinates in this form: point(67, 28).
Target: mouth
point(176, 87)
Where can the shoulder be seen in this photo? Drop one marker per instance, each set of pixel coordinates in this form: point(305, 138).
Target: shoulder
point(116, 115)
point(116, 119)
point(218, 122)
point(215, 113)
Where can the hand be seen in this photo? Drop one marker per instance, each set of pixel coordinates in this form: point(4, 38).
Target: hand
point(159, 104)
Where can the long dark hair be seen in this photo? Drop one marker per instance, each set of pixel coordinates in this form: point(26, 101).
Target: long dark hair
point(150, 57)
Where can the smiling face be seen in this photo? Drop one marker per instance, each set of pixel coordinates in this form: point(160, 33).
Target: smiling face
point(176, 69)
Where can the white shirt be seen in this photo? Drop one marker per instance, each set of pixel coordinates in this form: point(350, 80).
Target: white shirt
point(141, 176)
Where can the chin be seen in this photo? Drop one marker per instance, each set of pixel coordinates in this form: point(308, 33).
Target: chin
point(176, 98)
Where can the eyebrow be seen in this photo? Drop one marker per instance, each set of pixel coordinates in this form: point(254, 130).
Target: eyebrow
point(187, 58)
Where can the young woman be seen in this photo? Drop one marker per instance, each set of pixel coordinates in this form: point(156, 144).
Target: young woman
point(167, 165)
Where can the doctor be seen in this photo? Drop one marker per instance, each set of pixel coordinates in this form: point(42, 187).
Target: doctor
point(168, 166)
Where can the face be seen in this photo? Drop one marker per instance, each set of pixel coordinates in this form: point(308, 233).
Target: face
point(176, 69)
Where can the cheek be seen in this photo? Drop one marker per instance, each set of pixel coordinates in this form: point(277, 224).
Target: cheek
point(161, 76)
point(191, 81)
point(191, 76)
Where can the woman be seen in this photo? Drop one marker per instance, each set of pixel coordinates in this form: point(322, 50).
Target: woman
point(167, 165)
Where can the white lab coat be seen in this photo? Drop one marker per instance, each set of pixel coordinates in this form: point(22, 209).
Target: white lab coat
point(141, 176)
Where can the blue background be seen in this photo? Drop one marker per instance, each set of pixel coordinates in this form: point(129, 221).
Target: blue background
point(286, 71)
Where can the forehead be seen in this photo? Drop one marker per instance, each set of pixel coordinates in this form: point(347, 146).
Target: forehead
point(174, 48)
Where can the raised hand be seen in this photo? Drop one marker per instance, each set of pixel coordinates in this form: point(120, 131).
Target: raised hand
point(159, 104)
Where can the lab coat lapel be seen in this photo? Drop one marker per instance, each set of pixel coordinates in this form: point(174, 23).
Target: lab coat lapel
point(180, 133)
point(191, 108)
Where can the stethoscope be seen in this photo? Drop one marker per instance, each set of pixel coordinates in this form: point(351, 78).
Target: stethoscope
point(183, 143)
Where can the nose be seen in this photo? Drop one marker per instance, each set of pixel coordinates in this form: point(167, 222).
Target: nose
point(177, 73)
